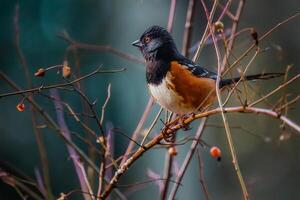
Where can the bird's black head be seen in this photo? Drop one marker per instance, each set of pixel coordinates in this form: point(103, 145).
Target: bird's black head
point(156, 43)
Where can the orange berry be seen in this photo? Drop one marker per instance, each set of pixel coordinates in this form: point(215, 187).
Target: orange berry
point(172, 151)
point(40, 72)
point(66, 70)
point(20, 107)
point(215, 152)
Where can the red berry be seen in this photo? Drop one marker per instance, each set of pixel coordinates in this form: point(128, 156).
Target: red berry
point(215, 152)
point(20, 107)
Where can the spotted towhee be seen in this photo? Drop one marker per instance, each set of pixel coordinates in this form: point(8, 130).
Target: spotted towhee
point(177, 83)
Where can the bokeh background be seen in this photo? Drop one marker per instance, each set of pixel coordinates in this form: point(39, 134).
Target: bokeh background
point(271, 167)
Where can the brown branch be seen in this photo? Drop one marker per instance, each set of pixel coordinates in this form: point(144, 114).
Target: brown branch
point(201, 174)
point(156, 140)
point(105, 104)
point(81, 173)
point(234, 27)
point(37, 133)
point(188, 28)
point(138, 129)
point(168, 158)
point(224, 118)
point(187, 159)
point(227, 12)
point(18, 184)
point(275, 90)
point(171, 15)
point(74, 45)
point(167, 175)
point(56, 128)
point(264, 36)
point(42, 88)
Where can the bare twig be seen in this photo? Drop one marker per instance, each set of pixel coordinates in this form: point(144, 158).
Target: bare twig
point(206, 32)
point(227, 129)
point(234, 27)
point(275, 90)
point(138, 129)
point(167, 174)
point(188, 27)
point(201, 174)
point(73, 45)
point(264, 36)
point(187, 159)
point(56, 128)
point(37, 133)
point(156, 140)
point(18, 185)
point(171, 15)
point(105, 103)
point(81, 173)
point(168, 158)
point(41, 88)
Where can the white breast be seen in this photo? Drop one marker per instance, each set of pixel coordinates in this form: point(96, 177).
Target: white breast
point(168, 98)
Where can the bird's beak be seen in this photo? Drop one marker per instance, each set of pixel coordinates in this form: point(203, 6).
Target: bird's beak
point(137, 43)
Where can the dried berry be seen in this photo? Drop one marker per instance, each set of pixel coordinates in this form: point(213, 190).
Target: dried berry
point(66, 70)
point(40, 72)
point(172, 151)
point(20, 107)
point(219, 26)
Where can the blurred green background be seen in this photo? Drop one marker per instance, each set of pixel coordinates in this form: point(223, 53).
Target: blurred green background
point(271, 169)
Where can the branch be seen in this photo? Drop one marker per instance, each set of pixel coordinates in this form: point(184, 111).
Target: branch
point(42, 88)
point(156, 140)
point(36, 131)
point(188, 28)
point(56, 128)
point(73, 45)
point(201, 174)
point(187, 159)
point(81, 173)
point(234, 27)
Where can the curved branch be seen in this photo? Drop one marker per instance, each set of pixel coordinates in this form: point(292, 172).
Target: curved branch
point(156, 140)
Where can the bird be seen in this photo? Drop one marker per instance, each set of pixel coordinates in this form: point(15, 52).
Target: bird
point(176, 82)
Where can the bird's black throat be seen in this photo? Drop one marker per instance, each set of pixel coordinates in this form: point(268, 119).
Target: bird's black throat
point(158, 63)
point(156, 71)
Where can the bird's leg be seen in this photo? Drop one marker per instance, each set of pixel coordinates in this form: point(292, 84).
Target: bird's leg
point(167, 131)
point(181, 120)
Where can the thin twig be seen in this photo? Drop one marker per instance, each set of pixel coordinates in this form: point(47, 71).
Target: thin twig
point(227, 129)
point(168, 158)
point(151, 126)
point(188, 28)
point(41, 88)
point(206, 32)
point(73, 45)
point(171, 15)
point(264, 36)
point(167, 174)
point(138, 129)
point(201, 175)
point(275, 90)
point(234, 27)
point(56, 128)
point(156, 140)
point(81, 173)
point(188, 158)
point(105, 103)
point(37, 133)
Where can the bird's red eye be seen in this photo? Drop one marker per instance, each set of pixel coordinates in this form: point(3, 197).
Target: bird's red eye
point(147, 39)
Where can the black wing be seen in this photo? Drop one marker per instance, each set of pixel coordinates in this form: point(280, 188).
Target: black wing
point(197, 70)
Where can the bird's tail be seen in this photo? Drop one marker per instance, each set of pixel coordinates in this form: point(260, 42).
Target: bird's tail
point(265, 76)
